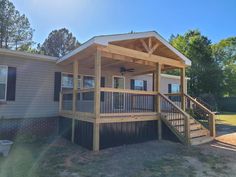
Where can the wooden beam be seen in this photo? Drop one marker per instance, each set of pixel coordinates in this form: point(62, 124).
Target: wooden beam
point(78, 116)
point(142, 55)
point(104, 115)
point(97, 100)
point(136, 118)
point(145, 45)
point(75, 90)
point(126, 59)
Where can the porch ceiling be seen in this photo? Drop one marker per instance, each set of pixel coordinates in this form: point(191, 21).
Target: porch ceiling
point(114, 65)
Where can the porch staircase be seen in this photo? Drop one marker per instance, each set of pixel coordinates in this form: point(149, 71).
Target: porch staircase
point(194, 126)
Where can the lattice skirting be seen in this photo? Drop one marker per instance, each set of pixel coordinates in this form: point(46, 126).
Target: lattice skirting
point(41, 127)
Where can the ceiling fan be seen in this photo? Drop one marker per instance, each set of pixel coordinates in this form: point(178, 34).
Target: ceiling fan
point(123, 70)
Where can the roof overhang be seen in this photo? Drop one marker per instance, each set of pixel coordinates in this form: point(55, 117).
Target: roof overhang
point(25, 55)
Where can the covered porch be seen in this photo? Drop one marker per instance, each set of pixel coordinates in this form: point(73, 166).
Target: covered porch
point(111, 96)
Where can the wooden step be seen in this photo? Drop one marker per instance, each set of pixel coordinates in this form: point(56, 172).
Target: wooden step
point(180, 121)
point(194, 126)
point(201, 140)
point(198, 133)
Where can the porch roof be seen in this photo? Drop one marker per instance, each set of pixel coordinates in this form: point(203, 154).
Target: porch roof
point(104, 40)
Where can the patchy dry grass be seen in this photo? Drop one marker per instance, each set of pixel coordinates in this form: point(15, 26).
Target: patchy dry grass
point(227, 118)
point(62, 159)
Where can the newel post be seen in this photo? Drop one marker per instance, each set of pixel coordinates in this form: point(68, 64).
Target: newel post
point(97, 95)
point(157, 87)
point(74, 101)
point(187, 130)
point(212, 125)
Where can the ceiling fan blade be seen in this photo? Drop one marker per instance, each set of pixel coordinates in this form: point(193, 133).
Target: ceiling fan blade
point(130, 70)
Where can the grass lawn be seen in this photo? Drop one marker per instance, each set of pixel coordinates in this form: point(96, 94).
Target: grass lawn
point(226, 118)
point(60, 158)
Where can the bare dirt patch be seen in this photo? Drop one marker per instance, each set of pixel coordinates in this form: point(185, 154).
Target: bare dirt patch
point(152, 159)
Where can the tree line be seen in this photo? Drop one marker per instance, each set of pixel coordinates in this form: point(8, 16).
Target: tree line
point(17, 34)
point(213, 70)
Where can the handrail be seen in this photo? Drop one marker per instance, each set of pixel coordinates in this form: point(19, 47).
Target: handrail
point(106, 89)
point(173, 94)
point(207, 105)
point(211, 114)
point(186, 116)
point(173, 104)
point(199, 104)
point(78, 91)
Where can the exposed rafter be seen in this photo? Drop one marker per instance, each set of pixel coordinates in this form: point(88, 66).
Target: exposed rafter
point(150, 43)
point(154, 48)
point(145, 45)
point(149, 48)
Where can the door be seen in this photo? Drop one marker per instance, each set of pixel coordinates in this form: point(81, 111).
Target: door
point(118, 98)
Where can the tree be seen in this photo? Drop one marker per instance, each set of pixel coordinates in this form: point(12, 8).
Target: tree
point(205, 73)
point(59, 43)
point(15, 28)
point(224, 53)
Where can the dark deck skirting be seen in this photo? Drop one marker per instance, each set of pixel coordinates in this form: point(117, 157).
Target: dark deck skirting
point(114, 134)
point(83, 131)
point(84, 134)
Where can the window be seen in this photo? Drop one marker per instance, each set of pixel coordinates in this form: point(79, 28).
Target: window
point(118, 82)
point(175, 88)
point(138, 84)
point(67, 81)
point(88, 82)
point(118, 98)
point(3, 82)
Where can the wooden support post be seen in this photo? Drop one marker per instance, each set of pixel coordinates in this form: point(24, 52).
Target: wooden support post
point(75, 90)
point(60, 102)
point(187, 130)
point(158, 101)
point(97, 94)
point(183, 88)
point(212, 125)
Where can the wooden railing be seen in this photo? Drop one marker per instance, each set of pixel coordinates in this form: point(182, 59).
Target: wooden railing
point(84, 100)
point(175, 118)
point(175, 97)
point(207, 105)
point(127, 101)
point(130, 102)
point(200, 113)
point(196, 110)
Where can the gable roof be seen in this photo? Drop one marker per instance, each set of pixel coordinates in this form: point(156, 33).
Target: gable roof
point(106, 39)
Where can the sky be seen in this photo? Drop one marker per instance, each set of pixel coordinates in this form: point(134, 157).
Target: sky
point(87, 18)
